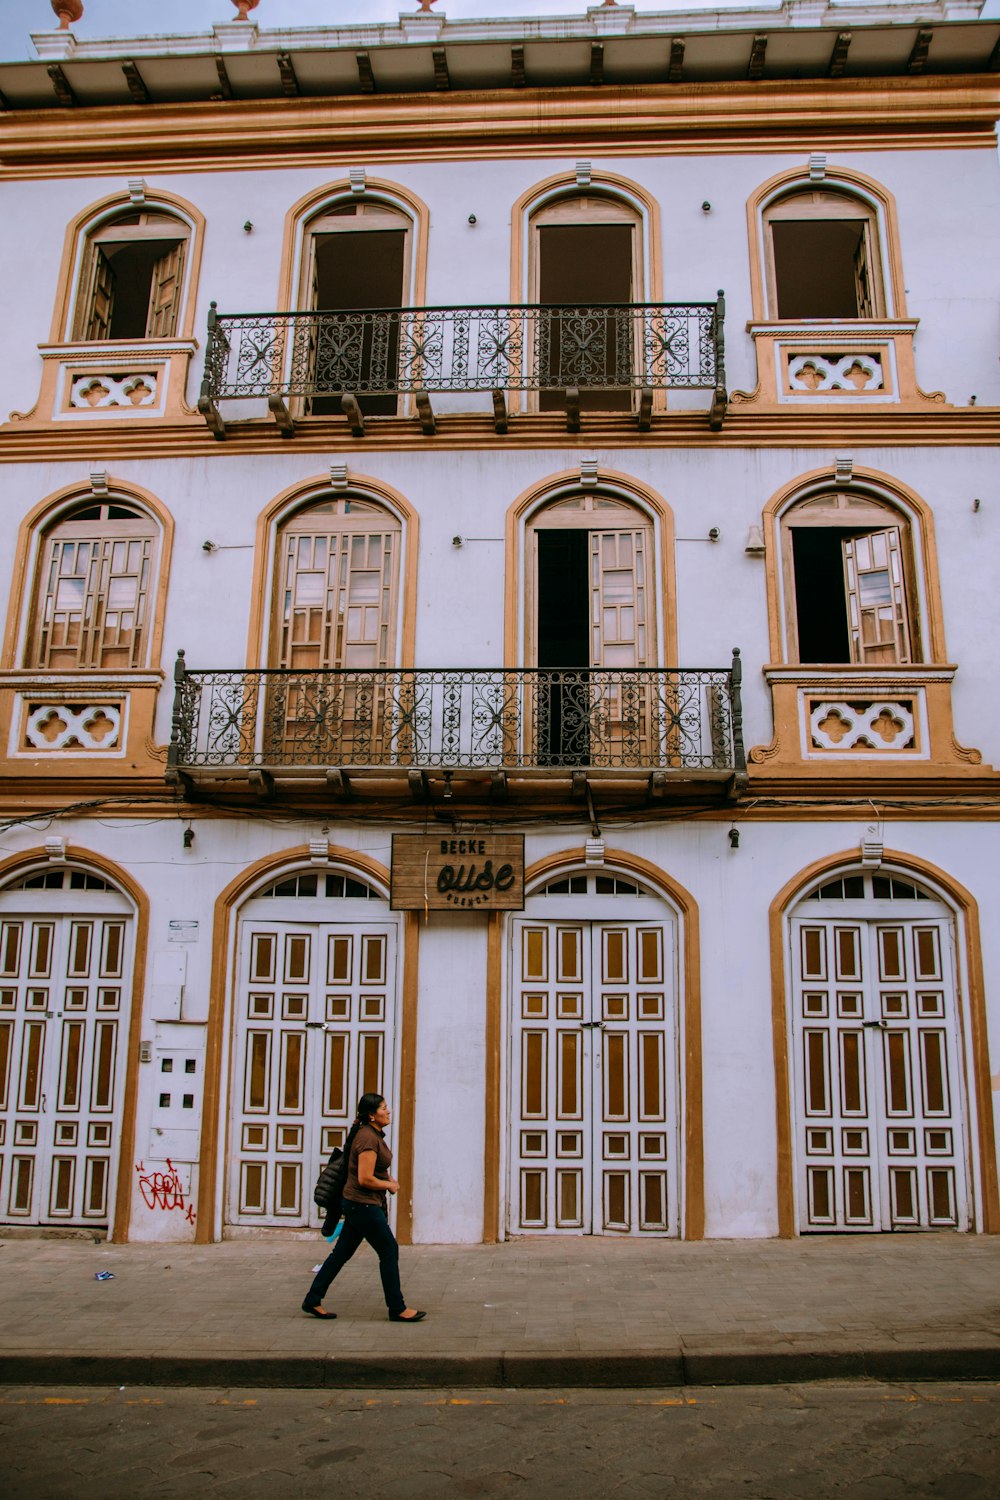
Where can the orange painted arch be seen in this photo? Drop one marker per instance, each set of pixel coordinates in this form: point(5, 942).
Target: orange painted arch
point(836, 178)
point(301, 494)
point(47, 510)
point(378, 190)
point(879, 486)
point(561, 486)
point(93, 215)
point(214, 1118)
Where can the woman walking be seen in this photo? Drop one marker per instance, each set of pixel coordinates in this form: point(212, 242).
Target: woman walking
point(368, 1181)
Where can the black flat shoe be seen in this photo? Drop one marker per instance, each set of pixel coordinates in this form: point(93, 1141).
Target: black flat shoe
point(398, 1317)
point(317, 1312)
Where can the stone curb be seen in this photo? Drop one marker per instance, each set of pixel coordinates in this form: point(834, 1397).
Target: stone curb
point(505, 1371)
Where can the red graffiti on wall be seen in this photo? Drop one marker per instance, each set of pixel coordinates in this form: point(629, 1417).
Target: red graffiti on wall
point(164, 1190)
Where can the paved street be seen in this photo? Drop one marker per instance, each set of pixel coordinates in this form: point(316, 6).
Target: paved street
point(807, 1442)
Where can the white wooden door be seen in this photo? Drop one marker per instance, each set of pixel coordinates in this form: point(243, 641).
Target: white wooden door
point(880, 1129)
point(65, 988)
point(593, 1099)
point(315, 1015)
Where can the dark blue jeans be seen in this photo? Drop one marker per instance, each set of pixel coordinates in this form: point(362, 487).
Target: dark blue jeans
point(362, 1221)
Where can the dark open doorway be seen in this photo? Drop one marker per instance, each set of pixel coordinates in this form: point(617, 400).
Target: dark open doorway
point(359, 269)
point(563, 647)
point(586, 265)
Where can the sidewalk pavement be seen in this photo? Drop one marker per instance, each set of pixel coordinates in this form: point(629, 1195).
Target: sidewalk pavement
point(533, 1312)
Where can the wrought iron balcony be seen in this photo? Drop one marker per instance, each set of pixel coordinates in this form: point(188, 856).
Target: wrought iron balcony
point(638, 347)
point(665, 723)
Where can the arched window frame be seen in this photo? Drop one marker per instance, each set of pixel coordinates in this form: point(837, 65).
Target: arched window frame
point(891, 498)
point(524, 513)
point(375, 519)
point(34, 531)
point(873, 199)
point(629, 197)
point(375, 195)
point(100, 217)
point(296, 500)
point(856, 513)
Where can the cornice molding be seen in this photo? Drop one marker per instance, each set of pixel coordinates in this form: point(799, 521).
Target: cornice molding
point(956, 427)
point(662, 119)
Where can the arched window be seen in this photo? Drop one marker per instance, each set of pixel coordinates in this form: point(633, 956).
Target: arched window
point(355, 255)
point(823, 257)
point(336, 586)
point(92, 603)
point(850, 581)
point(132, 277)
point(586, 251)
point(590, 571)
point(590, 605)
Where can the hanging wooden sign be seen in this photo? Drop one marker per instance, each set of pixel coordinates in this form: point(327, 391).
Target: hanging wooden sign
point(468, 872)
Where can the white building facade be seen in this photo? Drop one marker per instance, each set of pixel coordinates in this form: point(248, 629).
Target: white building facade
point(384, 375)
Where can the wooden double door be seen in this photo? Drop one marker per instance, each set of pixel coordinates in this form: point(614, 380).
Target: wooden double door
point(594, 1097)
point(879, 1088)
point(314, 1028)
point(65, 996)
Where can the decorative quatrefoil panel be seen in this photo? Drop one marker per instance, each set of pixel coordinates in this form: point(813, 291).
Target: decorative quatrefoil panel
point(862, 726)
point(830, 372)
point(91, 392)
point(75, 726)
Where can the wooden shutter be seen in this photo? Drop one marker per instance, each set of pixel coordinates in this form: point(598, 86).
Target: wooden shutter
point(876, 597)
point(337, 599)
point(863, 276)
point(97, 296)
point(619, 627)
point(93, 599)
point(305, 358)
point(165, 292)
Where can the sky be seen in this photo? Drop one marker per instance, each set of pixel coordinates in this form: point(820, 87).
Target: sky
point(18, 18)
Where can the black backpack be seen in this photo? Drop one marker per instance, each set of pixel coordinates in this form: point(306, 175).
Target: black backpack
point(331, 1182)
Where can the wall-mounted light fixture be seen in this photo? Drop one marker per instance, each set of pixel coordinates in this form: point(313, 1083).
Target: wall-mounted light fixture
point(188, 838)
point(734, 837)
point(248, 227)
point(755, 542)
point(706, 207)
point(473, 220)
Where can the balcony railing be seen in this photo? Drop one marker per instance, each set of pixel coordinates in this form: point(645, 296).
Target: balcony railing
point(643, 719)
point(422, 350)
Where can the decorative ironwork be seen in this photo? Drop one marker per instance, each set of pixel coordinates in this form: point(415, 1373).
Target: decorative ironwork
point(526, 348)
point(655, 718)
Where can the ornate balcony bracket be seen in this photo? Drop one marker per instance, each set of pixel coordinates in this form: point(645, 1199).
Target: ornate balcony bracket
point(453, 735)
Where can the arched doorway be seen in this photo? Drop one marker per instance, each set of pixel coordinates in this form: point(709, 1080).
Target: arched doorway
point(315, 1024)
point(66, 956)
point(878, 1085)
point(594, 1082)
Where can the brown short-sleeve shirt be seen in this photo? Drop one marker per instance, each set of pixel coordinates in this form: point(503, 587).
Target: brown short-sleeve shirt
point(367, 1139)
